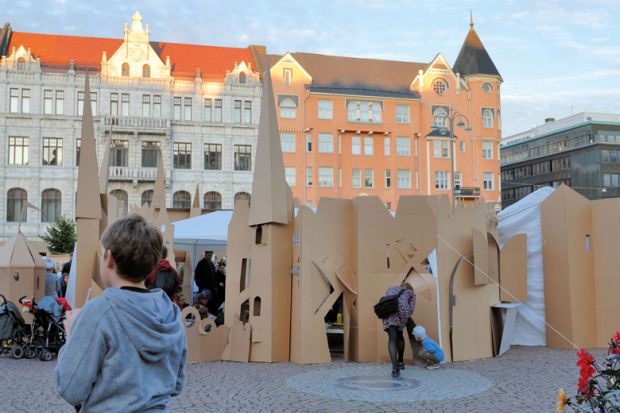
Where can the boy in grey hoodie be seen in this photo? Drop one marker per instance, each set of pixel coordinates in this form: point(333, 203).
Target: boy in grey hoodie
point(126, 350)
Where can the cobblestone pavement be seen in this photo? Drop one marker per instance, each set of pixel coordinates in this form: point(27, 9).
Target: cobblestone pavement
point(522, 380)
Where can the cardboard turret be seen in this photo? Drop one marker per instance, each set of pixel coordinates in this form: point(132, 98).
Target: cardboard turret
point(22, 271)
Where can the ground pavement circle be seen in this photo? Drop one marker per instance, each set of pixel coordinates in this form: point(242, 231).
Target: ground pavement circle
point(373, 383)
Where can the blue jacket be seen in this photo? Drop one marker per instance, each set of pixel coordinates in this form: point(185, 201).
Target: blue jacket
point(126, 353)
point(431, 347)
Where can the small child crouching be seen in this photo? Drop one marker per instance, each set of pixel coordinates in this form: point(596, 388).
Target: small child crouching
point(431, 354)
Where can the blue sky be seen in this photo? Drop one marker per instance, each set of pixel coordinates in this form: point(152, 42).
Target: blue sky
point(556, 57)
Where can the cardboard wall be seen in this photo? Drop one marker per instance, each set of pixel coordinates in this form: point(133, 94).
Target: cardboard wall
point(513, 268)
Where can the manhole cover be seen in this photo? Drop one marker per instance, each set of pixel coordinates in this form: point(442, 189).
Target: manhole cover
point(377, 383)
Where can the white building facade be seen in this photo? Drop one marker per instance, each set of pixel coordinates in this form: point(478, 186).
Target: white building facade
point(199, 104)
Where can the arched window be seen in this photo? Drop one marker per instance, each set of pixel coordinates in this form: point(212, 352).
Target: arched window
point(122, 198)
point(147, 198)
point(181, 199)
point(487, 118)
point(487, 87)
point(21, 64)
point(440, 86)
point(146, 71)
point(125, 69)
point(213, 200)
point(50, 205)
point(242, 195)
point(241, 77)
point(16, 204)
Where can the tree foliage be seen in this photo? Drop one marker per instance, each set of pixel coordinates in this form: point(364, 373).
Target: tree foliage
point(60, 236)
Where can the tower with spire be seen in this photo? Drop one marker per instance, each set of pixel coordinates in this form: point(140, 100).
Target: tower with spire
point(473, 59)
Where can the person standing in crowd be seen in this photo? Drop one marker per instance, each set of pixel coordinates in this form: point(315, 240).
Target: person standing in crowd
point(204, 276)
point(164, 276)
point(394, 325)
point(52, 285)
point(64, 278)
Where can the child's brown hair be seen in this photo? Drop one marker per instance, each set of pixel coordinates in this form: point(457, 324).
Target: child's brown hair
point(135, 245)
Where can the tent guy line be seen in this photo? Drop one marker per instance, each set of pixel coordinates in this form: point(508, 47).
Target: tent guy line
point(508, 293)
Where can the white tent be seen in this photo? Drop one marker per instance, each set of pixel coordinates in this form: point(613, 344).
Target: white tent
point(524, 217)
point(208, 232)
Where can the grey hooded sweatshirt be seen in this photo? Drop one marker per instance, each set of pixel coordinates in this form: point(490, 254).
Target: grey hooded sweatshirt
point(126, 353)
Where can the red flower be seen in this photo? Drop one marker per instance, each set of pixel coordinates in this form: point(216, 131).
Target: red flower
point(586, 371)
point(614, 347)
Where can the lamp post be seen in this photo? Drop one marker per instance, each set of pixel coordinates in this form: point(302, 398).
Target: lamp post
point(452, 116)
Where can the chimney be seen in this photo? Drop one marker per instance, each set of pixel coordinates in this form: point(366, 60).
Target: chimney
point(548, 120)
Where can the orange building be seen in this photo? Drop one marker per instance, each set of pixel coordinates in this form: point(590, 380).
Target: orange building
point(352, 126)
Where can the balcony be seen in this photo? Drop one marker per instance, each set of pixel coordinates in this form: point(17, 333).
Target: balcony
point(135, 175)
point(136, 123)
point(467, 192)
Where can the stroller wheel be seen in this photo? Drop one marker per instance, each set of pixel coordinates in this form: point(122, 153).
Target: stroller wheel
point(17, 352)
point(45, 355)
point(30, 353)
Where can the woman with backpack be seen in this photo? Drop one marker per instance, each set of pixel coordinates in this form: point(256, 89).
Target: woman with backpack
point(395, 323)
point(164, 276)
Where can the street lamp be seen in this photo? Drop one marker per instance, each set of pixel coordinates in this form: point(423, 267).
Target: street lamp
point(452, 116)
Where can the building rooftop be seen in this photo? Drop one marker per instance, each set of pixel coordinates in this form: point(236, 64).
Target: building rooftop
point(473, 58)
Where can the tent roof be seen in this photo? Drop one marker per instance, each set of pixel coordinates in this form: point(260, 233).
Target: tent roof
point(207, 228)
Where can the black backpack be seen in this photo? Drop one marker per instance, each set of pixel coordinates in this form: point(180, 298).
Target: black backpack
point(388, 305)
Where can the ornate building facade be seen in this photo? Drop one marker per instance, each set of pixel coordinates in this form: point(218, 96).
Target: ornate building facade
point(198, 104)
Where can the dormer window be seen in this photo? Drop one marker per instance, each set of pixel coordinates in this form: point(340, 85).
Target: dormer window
point(125, 69)
point(440, 86)
point(146, 71)
point(21, 64)
point(242, 77)
point(287, 74)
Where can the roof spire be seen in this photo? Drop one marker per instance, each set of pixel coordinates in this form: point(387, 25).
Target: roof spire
point(471, 20)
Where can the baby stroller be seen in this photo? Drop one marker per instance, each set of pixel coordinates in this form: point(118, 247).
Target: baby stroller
point(47, 333)
point(14, 333)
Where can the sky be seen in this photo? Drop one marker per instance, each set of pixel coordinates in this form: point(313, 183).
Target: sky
point(556, 57)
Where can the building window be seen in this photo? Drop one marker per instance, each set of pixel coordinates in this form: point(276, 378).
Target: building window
point(440, 86)
point(241, 77)
point(326, 109)
point(387, 143)
point(217, 112)
point(119, 153)
point(187, 108)
point(368, 146)
point(403, 146)
point(182, 155)
point(287, 142)
point(487, 118)
point(213, 156)
point(125, 104)
point(176, 110)
point(146, 105)
point(403, 178)
point(146, 71)
point(462, 146)
point(308, 176)
point(402, 113)
point(14, 100)
point(242, 196)
point(21, 64)
point(287, 75)
point(156, 106)
point(457, 180)
point(441, 180)
point(114, 104)
point(288, 108)
point(388, 178)
point(208, 110)
point(487, 179)
point(486, 87)
point(48, 102)
point(441, 149)
point(440, 116)
point(243, 157)
point(50, 205)
point(125, 69)
point(147, 198)
point(308, 142)
point(326, 143)
point(364, 111)
point(18, 150)
point(356, 178)
point(213, 201)
point(181, 199)
point(122, 198)
point(78, 144)
point(356, 145)
point(487, 150)
point(237, 111)
point(150, 151)
point(52, 151)
point(290, 174)
point(611, 180)
point(60, 102)
point(93, 103)
point(326, 177)
point(25, 100)
point(369, 178)
point(247, 111)
point(16, 205)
